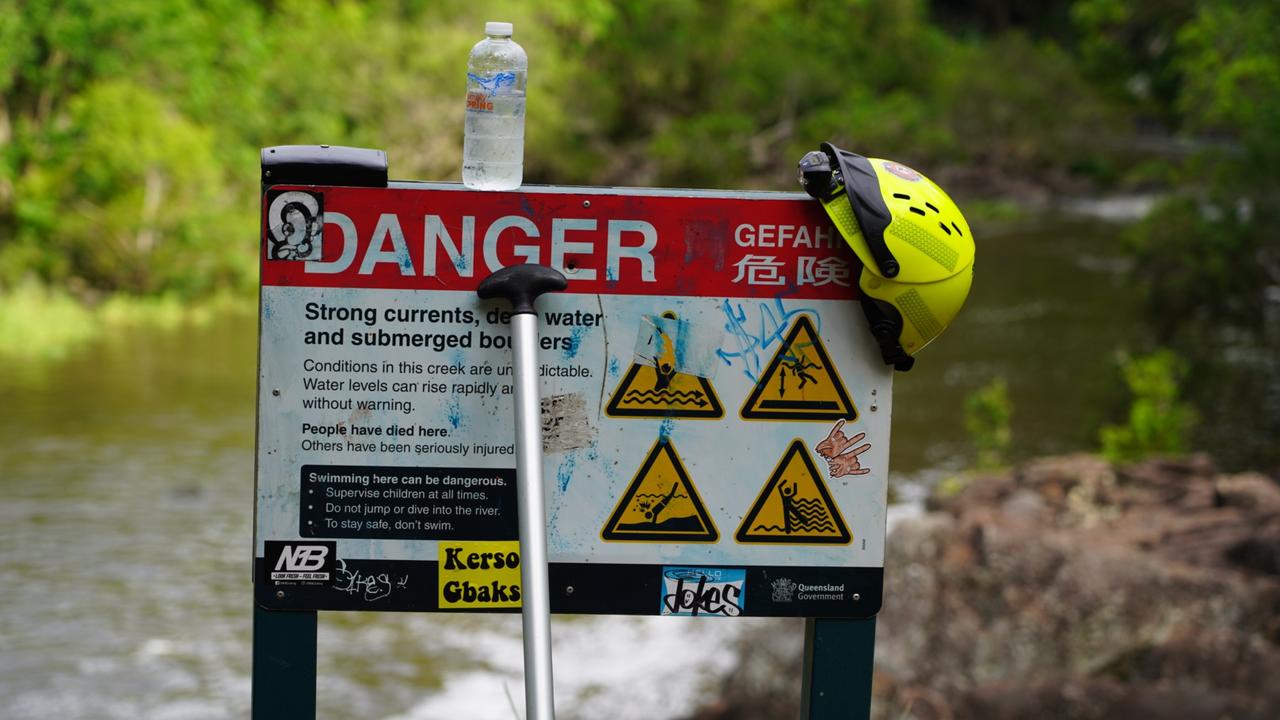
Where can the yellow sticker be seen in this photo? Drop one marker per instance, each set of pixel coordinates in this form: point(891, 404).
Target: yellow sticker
point(794, 506)
point(479, 574)
point(800, 382)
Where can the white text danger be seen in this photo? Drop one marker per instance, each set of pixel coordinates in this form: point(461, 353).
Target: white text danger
point(572, 244)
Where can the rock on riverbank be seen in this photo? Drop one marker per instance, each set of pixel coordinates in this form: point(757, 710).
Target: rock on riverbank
point(1070, 588)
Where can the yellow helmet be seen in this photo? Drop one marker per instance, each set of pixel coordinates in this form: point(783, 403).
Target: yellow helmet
point(915, 246)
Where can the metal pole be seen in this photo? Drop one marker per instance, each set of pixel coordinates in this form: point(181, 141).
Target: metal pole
point(536, 590)
point(283, 678)
point(522, 284)
point(838, 660)
point(284, 665)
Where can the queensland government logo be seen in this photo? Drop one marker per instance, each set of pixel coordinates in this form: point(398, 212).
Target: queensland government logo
point(784, 589)
point(703, 591)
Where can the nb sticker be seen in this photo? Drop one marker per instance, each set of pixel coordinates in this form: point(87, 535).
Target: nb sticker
point(300, 562)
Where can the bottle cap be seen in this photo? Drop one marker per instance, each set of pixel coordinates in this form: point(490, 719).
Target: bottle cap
point(500, 29)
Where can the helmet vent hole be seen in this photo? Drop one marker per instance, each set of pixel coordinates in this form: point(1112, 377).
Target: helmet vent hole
point(957, 229)
point(917, 210)
point(901, 196)
point(931, 207)
point(945, 229)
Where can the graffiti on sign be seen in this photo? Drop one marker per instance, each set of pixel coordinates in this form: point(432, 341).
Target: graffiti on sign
point(703, 591)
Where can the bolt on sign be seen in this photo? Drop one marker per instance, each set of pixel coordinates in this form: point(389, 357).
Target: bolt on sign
point(715, 415)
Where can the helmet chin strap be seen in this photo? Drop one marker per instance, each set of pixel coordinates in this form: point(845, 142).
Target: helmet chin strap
point(886, 326)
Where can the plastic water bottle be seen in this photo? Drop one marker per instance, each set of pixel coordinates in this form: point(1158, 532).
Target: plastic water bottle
point(493, 134)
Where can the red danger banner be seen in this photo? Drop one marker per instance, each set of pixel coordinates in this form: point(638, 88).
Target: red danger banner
point(702, 245)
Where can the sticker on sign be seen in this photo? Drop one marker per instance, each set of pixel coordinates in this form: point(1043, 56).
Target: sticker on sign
point(300, 563)
point(690, 378)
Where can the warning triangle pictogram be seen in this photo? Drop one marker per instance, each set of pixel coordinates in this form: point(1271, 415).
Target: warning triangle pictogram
point(800, 382)
point(642, 393)
point(662, 390)
point(661, 504)
point(794, 506)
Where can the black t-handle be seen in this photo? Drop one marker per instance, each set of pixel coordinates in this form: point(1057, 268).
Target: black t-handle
point(521, 284)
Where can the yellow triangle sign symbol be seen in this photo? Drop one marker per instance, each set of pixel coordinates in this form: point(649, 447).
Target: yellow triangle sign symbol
point(661, 390)
point(794, 506)
point(644, 392)
point(800, 382)
point(661, 504)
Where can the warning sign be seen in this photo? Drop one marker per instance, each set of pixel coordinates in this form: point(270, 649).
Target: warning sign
point(661, 504)
point(794, 506)
point(648, 392)
point(660, 383)
point(800, 383)
point(385, 424)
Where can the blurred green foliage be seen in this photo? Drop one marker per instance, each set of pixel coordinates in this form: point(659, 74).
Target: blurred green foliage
point(1210, 251)
point(1208, 257)
point(1159, 423)
point(987, 415)
point(129, 129)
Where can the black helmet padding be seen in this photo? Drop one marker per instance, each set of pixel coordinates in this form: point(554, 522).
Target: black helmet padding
point(869, 208)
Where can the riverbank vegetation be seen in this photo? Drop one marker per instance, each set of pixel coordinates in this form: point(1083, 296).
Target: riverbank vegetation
point(1158, 422)
point(129, 130)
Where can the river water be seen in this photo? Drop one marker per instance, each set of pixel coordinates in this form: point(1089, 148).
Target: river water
point(127, 480)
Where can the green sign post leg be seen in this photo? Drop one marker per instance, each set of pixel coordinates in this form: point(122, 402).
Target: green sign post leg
point(284, 665)
point(838, 659)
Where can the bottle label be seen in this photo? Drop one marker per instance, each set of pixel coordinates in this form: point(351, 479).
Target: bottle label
point(483, 87)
